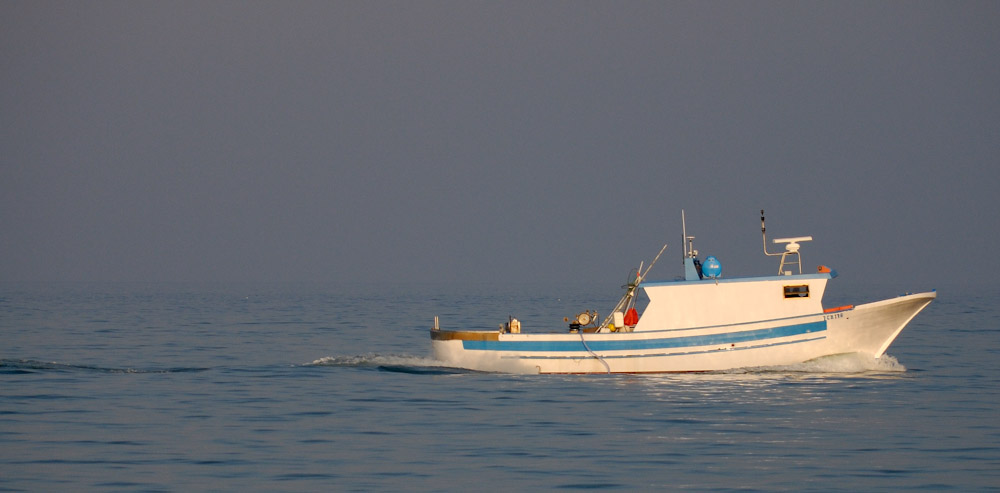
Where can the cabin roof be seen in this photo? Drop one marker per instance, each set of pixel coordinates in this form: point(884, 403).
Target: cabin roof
point(791, 278)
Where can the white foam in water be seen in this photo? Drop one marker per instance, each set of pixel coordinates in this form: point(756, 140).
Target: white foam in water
point(843, 363)
point(373, 360)
point(370, 360)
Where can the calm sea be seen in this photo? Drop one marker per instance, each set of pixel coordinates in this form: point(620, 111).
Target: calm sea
point(308, 387)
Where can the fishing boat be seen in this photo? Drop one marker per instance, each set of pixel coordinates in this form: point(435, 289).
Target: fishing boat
point(701, 321)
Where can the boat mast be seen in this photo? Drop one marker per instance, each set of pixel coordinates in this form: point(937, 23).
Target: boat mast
point(692, 268)
point(684, 236)
point(632, 287)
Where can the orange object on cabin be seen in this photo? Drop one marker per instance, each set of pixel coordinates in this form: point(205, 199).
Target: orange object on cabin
point(838, 308)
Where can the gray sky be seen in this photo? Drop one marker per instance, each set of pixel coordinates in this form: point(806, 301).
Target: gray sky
point(495, 141)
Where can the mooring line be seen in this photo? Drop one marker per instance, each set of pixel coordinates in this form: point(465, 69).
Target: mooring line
point(605, 363)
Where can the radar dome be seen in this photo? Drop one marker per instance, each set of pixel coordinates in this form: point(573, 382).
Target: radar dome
point(711, 267)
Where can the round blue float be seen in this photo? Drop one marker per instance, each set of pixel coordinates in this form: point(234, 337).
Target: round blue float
point(711, 267)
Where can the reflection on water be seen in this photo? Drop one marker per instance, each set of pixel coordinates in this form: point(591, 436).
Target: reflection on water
point(313, 387)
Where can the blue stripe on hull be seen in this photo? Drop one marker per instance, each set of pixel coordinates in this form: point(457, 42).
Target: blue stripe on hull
point(644, 344)
point(610, 357)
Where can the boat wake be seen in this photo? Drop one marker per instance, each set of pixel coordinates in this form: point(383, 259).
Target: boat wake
point(23, 366)
point(389, 362)
point(850, 363)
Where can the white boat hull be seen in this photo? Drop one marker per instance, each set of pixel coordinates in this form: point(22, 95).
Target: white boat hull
point(868, 329)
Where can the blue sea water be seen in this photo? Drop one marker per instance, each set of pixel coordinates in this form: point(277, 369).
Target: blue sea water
point(308, 387)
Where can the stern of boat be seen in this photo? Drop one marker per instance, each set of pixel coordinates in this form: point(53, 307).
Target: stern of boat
point(449, 347)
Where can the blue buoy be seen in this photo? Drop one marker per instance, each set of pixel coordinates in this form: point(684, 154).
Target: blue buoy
point(711, 267)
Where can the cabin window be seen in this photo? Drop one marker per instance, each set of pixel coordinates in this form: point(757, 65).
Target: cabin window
point(797, 291)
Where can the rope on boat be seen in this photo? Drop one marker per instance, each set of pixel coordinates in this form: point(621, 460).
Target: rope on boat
point(605, 363)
